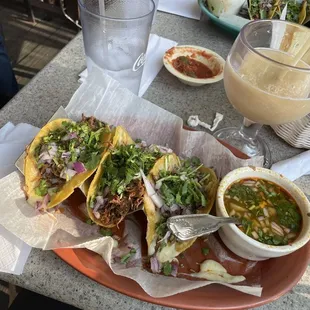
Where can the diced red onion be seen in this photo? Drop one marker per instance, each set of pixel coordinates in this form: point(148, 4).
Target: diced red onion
point(291, 235)
point(52, 149)
point(165, 210)
point(166, 237)
point(175, 267)
point(155, 265)
point(38, 205)
point(254, 234)
point(265, 212)
point(43, 204)
point(186, 211)
point(277, 228)
point(70, 165)
point(117, 260)
point(174, 207)
point(67, 173)
point(287, 230)
point(106, 191)
point(99, 199)
point(54, 180)
point(132, 263)
point(48, 170)
point(69, 136)
point(96, 207)
point(96, 214)
point(275, 225)
point(79, 167)
point(70, 173)
point(45, 201)
point(45, 157)
point(248, 183)
point(261, 218)
point(160, 148)
point(65, 154)
point(143, 143)
point(100, 202)
point(175, 210)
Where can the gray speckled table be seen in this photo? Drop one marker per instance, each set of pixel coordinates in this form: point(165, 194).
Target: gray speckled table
point(44, 272)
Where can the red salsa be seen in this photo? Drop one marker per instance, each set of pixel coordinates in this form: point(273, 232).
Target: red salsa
point(191, 67)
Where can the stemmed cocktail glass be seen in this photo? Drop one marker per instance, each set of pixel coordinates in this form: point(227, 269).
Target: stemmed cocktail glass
point(267, 79)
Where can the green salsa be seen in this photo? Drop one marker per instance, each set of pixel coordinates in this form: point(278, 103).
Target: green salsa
point(268, 213)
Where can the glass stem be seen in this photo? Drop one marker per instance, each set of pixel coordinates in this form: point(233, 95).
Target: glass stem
point(249, 130)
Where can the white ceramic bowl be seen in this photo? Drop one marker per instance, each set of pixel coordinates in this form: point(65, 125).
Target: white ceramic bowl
point(243, 245)
point(209, 58)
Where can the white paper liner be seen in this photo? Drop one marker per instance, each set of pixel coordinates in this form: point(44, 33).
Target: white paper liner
point(107, 100)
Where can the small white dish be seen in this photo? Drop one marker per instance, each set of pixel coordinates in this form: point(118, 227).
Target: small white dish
point(243, 245)
point(209, 58)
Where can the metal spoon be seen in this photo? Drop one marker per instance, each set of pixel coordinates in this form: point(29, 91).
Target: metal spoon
point(186, 227)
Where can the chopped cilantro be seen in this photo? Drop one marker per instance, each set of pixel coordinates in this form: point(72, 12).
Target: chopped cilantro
point(247, 226)
point(62, 147)
point(245, 194)
point(185, 186)
point(106, 232)
point(205, 251)
point(167, 268)
point(191, 74)
point(123, 166)
point(288, 214)
point(89, 222)
point(161, 228)
point(42, 189)
point(125, 258)
point(184, 59)
point(92, 161)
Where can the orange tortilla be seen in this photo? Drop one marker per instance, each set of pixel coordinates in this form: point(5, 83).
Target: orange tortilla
point(32, 173)
point(121, 137)
point(171, 161)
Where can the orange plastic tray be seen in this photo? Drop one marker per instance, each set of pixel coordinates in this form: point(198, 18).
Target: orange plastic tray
point(279, 275)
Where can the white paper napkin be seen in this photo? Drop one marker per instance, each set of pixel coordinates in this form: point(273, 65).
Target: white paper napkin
point(13, 140)
point(186, 8)
point(295, 167)
point(154, 61)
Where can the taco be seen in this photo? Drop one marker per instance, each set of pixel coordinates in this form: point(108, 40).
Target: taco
point(297, 10)
point(184, 187)
point(117, 188)
point(61, 157)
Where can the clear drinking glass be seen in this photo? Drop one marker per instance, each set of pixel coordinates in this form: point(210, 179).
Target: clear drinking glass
point(116, 34)
point(267, 79)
